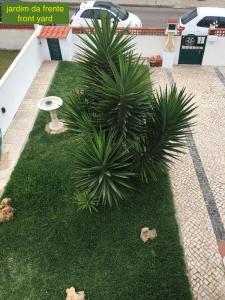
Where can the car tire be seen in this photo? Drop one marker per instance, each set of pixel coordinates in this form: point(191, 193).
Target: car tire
point(190, 40)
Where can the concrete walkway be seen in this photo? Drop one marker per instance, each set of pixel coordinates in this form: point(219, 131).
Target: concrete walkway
point(18, 132)
point(153, 3)
point(198, 181)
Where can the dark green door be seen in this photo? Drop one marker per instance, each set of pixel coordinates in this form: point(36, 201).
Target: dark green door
point(192, 54)
point(54, 49)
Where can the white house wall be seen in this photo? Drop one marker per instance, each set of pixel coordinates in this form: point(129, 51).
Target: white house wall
point(17, 79)
point(14, 39)
point(214, 52)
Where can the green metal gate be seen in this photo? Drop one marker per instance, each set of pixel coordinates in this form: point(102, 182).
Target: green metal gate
point(54, 49)
point(192, 53)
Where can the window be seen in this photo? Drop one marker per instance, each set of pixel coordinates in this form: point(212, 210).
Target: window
point(120, 12)
point(189, 16)
point(221, 22)
point(207, 21)
point(86, 14)
point(111, 16)
point(98, 12)
point(104, 4)
point(90, 13)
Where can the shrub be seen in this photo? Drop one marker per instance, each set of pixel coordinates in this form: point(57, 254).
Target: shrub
point(165, 130)
point(103, 43)
point(77, 114)
point(125, 128)
point(102, 168)
point(123, 101)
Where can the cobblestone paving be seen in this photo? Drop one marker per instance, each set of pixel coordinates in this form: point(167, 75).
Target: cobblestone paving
point(210, 130)
point(222, 70)
point(204, 263)
point(21, 125)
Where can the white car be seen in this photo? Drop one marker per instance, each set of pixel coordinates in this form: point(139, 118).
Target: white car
point(90, 9)
point(197, 22)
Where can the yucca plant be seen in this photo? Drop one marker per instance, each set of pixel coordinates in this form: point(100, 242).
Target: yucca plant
point(102, 169)
point(122, 101)
point(124, 128)
point(165, 130)
point(102, 43)
point(77, 114)
point(85, 202)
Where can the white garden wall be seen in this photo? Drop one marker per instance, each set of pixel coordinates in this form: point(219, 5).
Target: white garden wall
point(149, 45)
point(17, 79)
point(14, 39)
point(44, 49)
point(66, 46)
point(145, 45)
point(214, 51)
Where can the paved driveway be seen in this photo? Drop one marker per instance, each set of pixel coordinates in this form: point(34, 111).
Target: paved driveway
point(198, 180)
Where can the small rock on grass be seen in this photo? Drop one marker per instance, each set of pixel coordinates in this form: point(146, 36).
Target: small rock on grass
point(148, 234)
point(73, 295)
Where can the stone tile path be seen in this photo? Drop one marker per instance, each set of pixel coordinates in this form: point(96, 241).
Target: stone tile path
point(192, 189)
point(18, 132)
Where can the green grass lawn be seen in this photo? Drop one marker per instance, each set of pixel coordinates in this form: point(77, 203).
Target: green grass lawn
point(6, 58)
point(50, 246)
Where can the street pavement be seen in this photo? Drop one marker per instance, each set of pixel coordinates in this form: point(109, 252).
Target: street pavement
point(154, 3)
point(155, 16)
point(153, 13)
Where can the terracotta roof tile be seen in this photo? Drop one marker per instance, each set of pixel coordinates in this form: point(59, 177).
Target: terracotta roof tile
point(54, 32)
